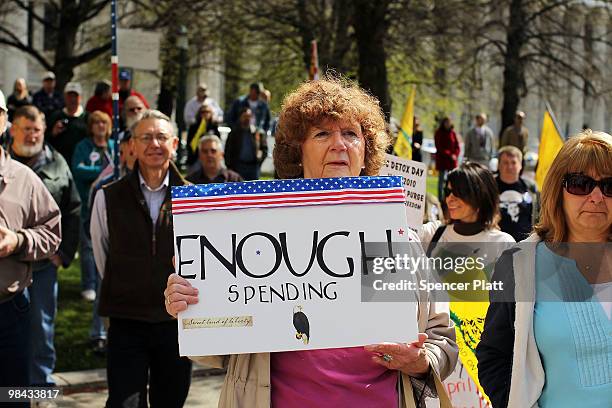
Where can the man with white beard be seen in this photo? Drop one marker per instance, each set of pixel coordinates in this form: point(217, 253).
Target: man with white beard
point(133, 108)
point(28, 148)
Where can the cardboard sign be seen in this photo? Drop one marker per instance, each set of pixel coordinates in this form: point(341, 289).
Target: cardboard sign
point(278, 264)
point(138, 49)
point(461, 390)
point(415, 186)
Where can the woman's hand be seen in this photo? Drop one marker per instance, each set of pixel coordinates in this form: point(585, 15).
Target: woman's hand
point(179, 294)
point(410, 358)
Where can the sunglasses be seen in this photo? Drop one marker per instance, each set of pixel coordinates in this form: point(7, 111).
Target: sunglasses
point(448, 191)
point(580, 184)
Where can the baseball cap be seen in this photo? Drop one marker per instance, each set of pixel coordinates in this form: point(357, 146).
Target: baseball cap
point(3, 102)
point(125, 75)
point(73, 87)
point(48, 75)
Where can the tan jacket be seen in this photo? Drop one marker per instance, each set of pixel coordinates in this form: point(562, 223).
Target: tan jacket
point(247, 383)
point(27, 208)
point(511, 136)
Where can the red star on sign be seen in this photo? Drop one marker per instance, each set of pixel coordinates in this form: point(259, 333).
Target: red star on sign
point(400, 231)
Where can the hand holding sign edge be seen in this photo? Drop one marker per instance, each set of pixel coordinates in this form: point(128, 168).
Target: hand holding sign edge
point(179, 294)
point(408, 358)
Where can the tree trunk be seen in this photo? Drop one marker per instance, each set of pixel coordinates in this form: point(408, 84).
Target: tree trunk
point(167, 89)
point(370, 31)
point(170, 73)
point(64, 63)
point(342, 14)
point(514, 65)
point(305, 29)
point(331, 33)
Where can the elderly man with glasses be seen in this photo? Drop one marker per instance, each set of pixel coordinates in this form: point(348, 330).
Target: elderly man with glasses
point(131, 231)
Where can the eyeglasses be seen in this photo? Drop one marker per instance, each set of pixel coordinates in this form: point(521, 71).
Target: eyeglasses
point(29, 130)
point(161, 138)
point(448, 191)
point(136, 109)
point(581, 184)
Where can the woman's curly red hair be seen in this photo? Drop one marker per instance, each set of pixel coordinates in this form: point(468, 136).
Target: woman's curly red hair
point(328, 98)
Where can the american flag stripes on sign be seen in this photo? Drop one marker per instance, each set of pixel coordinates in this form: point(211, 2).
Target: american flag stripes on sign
point(287, 193)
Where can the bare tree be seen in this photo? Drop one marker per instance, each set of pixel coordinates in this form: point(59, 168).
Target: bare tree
point(70, 18)
point(195, 21)
point(532, 38)
point(371, 29)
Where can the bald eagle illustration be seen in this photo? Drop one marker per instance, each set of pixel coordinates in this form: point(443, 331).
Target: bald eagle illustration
point(302, 327)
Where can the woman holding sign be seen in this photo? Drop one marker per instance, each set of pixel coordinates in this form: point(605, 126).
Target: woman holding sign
point(329, 128)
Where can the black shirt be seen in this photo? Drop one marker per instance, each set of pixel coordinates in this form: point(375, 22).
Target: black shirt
point(516, 207)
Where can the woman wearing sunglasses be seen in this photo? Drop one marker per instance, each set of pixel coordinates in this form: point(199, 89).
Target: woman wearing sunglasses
point(470, 231)
point(550, 344)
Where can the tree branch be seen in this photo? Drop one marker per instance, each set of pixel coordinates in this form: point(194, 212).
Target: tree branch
point(91, 54)
point(16, 43)
point(27, 7)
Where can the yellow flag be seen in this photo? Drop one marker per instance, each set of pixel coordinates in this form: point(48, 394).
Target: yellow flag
point(403, 145)
point(469, 320)
point(550, 144)
point(468, 312)
point(195, 142)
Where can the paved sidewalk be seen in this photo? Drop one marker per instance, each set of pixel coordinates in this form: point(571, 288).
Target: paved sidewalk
point(87, 389)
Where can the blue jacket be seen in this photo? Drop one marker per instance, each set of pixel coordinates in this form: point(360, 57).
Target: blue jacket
point(262, 113)
point(87, 163)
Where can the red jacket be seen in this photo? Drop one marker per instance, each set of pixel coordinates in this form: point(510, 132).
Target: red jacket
point(97, 103)
point(447, 146)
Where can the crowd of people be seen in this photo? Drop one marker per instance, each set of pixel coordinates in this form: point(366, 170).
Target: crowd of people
point(59, 193)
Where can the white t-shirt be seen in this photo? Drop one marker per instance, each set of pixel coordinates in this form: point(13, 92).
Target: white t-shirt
point(488, 243)
point(253, 106)
point(428, 230)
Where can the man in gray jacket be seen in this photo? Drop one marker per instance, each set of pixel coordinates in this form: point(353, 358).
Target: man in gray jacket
point(29, 231)
point(479, 142)
point(28, 147)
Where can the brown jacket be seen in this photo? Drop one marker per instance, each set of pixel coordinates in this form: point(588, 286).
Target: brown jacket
point(513, 137)
point(247, 382)
point(27, 208)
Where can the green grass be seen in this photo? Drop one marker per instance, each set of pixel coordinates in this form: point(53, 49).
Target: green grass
point(72, 324)
point(432, 185)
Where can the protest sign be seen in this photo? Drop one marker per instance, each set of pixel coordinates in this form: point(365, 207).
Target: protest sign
point(462, 391)
point(415, 186)
point(138, 49)
point(278, 264)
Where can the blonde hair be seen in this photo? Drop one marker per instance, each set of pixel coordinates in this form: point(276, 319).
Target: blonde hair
point(512, 151)
point(328, 98)
point(586, 152)
point(103, 116)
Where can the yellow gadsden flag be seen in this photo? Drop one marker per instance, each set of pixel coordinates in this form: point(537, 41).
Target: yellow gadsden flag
point(551, 142)
point(195, 142)
point(403, 145)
